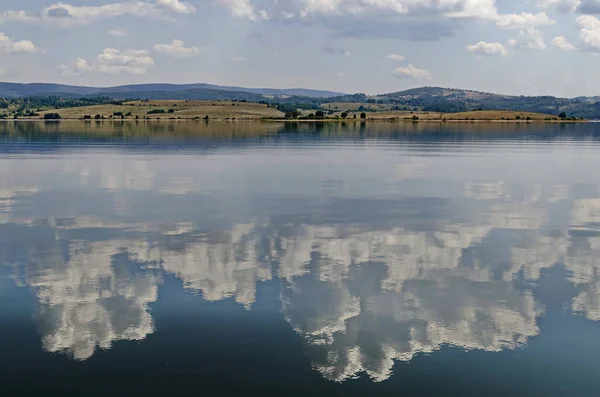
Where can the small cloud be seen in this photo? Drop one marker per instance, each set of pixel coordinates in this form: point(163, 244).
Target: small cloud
point(524, 20)
point(335, 51)
point(239, 59)
point(341, 75)
point(117, 32)
point(413, 73)
point(176, 6)
point(395, 57)
point(562, 43)
point(176, 49)
point(528, 39)
point(7, 46)
point(483, 48)
point(111, 61)
point(589, 33)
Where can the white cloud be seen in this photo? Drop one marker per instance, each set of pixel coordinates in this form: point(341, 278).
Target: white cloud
point(395, 57)
point(528, 39)
point(176, 6)
point(484, 48)
point(590, 32)
point(243, 9)
point(117, 32)
point(111, 61)
point(412, 72)
point(63, 14)
point(8, 46)
point(303, 9)
point(239, 59)
point(524, 20)
point(562, 43)
point(177, 49)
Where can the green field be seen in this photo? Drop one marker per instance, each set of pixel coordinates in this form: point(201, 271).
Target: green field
point(217, 110)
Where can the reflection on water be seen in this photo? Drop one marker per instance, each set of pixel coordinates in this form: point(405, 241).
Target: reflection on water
point(382, 248)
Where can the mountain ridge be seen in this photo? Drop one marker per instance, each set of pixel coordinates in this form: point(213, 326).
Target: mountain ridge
point(12, 90)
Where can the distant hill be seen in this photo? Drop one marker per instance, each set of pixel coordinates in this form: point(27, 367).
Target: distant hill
point(13, 90)
point(452, 100)
point(457, 100)
point(434, 99)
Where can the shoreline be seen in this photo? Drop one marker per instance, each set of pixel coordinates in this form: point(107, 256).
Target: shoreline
point(273, 120)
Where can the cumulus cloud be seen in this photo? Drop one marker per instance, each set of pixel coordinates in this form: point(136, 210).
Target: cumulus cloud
point(177, 6)
point(243, 9)
point(335, 51)
point(111, 61)
point(385, 18)
point(63, 14)
point(589, 33)
point(524, 20)
point(310, 9)
point(528, 39)
point(562, 43)
point(8, 46)
point(484, 48)
point(176, 49)
point(395, 57)
point(412, 72)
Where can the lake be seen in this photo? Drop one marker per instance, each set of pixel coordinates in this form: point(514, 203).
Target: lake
point(413, 259)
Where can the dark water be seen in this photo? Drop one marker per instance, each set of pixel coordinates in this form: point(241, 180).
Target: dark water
point(314, 259)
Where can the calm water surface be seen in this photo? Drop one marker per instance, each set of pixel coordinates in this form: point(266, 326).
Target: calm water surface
point(329, 259)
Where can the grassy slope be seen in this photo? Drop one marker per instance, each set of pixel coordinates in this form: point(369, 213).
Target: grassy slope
point(488, 115)
point(219, 110)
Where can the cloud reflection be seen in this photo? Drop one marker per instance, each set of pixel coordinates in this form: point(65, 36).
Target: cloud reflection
point(365, 280)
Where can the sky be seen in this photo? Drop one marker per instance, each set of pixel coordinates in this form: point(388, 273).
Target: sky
point(527, 47)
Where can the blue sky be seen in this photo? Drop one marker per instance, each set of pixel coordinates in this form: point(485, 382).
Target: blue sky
point(534, 47)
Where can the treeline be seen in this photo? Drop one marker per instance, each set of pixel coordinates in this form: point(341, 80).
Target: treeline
point(40, 103)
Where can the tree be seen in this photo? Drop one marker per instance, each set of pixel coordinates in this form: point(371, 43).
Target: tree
point(363, 115)
point(344, 115)
point(320, 114)
point(52, 116)
point(562, 115)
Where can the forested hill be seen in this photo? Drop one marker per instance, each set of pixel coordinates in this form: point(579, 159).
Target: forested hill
point(456, 100)
point(432, 99)
point(158, 91)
